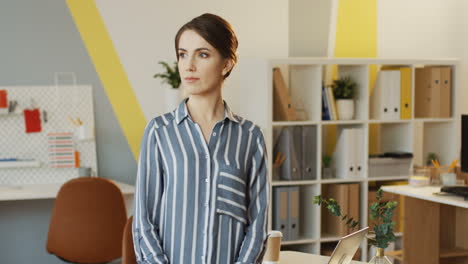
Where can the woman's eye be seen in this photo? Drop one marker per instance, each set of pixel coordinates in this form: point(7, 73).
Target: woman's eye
point(181, 55)
point(204, 55)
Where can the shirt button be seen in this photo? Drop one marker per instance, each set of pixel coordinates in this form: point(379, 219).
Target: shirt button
point(207, 156)
point(206, 180)
point(214, 134)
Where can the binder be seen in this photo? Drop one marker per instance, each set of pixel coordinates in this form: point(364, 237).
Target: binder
point(347, 196)
point(406, 83)
point(331, 104)
point(283, 109)
point(293, 213)
point(333, 225)
point(309, 152)
point(405, 89)
point(433, 92)
point(445, 92)
point(343, 160)
point(353, 206)
point(358, 151)
point(325, 107)
point(385, 98)
point(289, 143)
point(280, 211)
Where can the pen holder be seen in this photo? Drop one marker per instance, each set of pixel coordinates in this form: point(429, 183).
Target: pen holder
point(439, 175)
point(84, 133)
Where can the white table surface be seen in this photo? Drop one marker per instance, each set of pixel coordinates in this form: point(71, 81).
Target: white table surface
point(427, 193)
point(44, 191)
point(294, 257)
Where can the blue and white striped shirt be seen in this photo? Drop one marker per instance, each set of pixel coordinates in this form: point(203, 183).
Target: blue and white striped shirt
point(199, 202)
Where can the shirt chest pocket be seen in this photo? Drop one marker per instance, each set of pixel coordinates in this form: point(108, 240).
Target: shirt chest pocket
point(231, 194)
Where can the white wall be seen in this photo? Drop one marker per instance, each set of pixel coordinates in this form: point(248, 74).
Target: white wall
point(143, 33)
point(425, 29)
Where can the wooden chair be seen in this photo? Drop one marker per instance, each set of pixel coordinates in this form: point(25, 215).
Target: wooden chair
point(87, 221)
point(128, 251)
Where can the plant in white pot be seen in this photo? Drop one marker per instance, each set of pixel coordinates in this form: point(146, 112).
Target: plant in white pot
point(171, 77)
point(344, 91)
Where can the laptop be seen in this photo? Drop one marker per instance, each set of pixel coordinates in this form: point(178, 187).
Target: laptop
point(347, 247)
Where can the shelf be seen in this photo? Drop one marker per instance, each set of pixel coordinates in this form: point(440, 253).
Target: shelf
point(304, 78)
point(453, 252)
point(11, 114)
point(294, 123)
point(329, 238)
point(434, 120)
point(399, 121)
point(298, 242)
point(19, 164)
point(343, 122)
point(392, 178)
point(293, 183)
point(397, 234)
point(343, 180)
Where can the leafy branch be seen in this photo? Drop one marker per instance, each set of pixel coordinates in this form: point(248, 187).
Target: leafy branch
point(335, 209)
point(171, 76)
point(381, 213)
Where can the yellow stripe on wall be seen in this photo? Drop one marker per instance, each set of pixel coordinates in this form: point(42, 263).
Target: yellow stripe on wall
point(110, 70)
point(356, 37)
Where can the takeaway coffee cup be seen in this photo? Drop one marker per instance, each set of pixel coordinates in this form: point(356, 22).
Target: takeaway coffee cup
point(272, 253)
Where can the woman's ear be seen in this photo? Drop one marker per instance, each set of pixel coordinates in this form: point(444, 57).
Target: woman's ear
point(228, 64)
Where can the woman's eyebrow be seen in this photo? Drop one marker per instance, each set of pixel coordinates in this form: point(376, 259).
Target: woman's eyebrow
point(199, 49)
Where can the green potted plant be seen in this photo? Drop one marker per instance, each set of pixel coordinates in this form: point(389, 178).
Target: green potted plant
point(171, 76)
point(327, 171)
point(381, 213)
point(344, 91)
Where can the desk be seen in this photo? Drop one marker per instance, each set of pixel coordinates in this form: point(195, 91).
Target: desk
point(435, 227)
point(50, 191)
point(294, 257)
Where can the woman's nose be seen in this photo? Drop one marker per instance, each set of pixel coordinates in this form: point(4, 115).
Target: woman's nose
point(191, 65)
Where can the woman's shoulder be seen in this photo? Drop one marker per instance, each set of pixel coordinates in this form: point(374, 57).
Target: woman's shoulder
point(250, 126)
point(161, 120)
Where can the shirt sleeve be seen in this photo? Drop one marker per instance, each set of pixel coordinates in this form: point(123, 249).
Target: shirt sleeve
point(254, 244)
point(148, 193)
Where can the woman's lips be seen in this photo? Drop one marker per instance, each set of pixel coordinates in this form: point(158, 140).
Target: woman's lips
point(191, 79)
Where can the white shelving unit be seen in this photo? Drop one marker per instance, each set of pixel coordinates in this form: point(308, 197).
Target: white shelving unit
point(304, 77)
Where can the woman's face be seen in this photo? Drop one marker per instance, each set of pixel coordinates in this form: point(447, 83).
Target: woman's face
point(201, 66)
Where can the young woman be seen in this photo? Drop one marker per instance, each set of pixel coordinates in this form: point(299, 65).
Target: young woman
point(202, 188)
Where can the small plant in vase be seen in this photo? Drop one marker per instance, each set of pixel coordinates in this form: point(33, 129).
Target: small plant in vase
point(381, 214)
point(171, 76)
point(344, 91)
point(327, 171)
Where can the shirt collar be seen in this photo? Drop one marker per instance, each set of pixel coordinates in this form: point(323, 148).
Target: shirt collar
point(181, 112)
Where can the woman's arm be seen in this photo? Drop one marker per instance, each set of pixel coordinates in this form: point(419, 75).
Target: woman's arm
point(149, 189)
point(253, 246)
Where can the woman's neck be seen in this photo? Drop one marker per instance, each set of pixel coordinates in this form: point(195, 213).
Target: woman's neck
point(206, 108)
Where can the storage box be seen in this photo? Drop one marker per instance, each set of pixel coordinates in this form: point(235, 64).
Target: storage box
point(389, 166)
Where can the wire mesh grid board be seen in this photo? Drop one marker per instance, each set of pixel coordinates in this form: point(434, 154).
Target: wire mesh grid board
point(63, 112)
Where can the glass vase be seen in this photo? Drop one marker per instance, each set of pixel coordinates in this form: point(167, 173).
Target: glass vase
point(380, 258)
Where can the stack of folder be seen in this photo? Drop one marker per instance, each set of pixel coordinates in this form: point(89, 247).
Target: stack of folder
point(347, 196)
point(348, 157)
point(433, 92)
point(391, 96)
point(299, 146)
point(286, 211)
